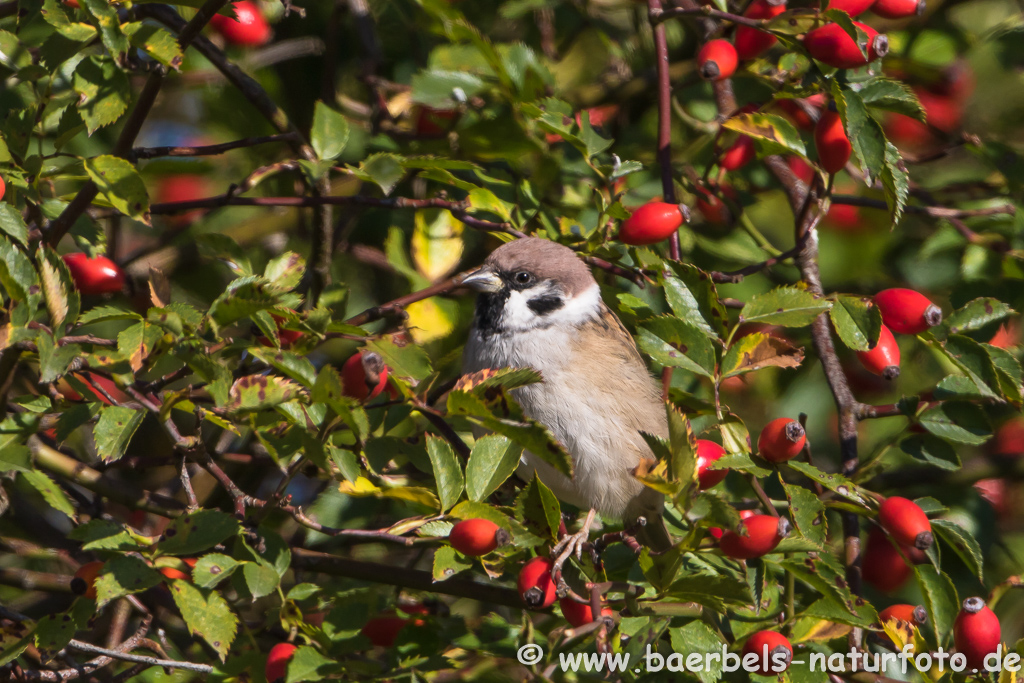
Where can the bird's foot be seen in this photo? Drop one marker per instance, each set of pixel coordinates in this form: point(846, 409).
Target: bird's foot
point(569, 545)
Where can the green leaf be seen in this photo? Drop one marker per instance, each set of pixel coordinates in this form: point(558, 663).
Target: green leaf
point(383, 169)
point(54, 360)
point(291, 364)
point(892, 95)
point(857, 321)
point(492, 461)
point(12, 223)
point(958, 421)
point(672, 342)
point(54, 631)
point(285, 271)
point(864, 133)
point(103, 92)
point(122, 575)
point(940, 600)
point(692, 297)
point(785, 306)
point(973, 359)
point(447, 471)
point(963, 543)
point(593, 144)
point(407, 361)
point(435, 87)
point(807, 512)
point(697, 637)
point(50, 491)
point(833, 482)
point(329, 133)
point(17, 275)
point(120, 185)
point(243, 298)
point(931, 450)
point(822, 577)
point(538, 509)
point(212, 569)
point(158, 43)
point(59, 292)
point(109, 24)
point(114, 430)
point(772, 134)
point(260, 579)
point(56, 14)
point(895, 182)
point(197, 531)
point(742, 462)
point(206, 615)
point(215, 245)
point(448, 563)
point(307, 664)
point(103, 314)
point(103, 534)
point(254, 393)
point(974, 315)
point(759, 350)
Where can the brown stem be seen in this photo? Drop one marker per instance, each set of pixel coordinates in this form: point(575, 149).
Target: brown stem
point(207, 150)
point(933, 211)
point(704, 11)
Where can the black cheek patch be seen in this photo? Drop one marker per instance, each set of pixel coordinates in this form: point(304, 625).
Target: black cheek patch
point(545, 303)
point(489, 307)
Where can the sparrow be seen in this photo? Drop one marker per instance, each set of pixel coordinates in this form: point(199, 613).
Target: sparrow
point(539, 306)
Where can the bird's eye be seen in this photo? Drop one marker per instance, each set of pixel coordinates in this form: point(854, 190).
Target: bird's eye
point(522, 277)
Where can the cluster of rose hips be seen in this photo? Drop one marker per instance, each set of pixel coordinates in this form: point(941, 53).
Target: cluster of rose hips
point(904, 311)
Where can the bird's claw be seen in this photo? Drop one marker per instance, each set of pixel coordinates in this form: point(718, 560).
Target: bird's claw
point(571, 544)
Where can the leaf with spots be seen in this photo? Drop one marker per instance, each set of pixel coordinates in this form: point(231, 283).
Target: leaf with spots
point(672, 342)
point(212, 569)
point(197, 531)
point(963, 544)
point(833, 482)
point(104, 92)
point(448, 563)
point(692, 296)
point(122, 575)
point(974, 315)
point(135, 343)
point(206, 614)
point(114, 430)
point(54, 631)
point(120, 185)
point(857, 321)
point(285, 271)
point(784, 306)
point(538, 509)
point(244, 297)
point(254, 393)
point(759, 350)
point(808, 512)
point(104, 534)
point(61, 296)
point(771, 134)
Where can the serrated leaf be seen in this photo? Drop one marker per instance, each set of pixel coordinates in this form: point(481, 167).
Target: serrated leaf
point(59, 292)
point(772, 134)
point(206, 615)
point(103, 92)
point(215, 245)
point(672, 342)
point(807, 512)
point(254, 393)
point(114, 430)
point(103, 534)
point(785, 306)
point(759, 350)
point(50, 491)
point(932, 450)
point(697, 637)
point(103, 314)
point(447, 471)
point(196, 531)
point(383, 169)
point(492, 461)
point(538, 509)
point(291, 364)
point(329, 132)
point(109, 24)
point(692, 296)
point(307, 664)
point(120, 185)
point(123, 575)
point(974, 315)
point(857, 321)
point(958, 421)
point(940, 599)
point(259, 579)
point(404, 359)
point(211, 569)
point(12, 223)
point(863, 131)
point(157, 42)
point(53, 632)
point(963, 543)
point(833, 482)
point(892, 95)
point(895, 182)
point(448, 563)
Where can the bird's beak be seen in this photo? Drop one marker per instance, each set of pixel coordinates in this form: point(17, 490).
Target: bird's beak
point(483, 280)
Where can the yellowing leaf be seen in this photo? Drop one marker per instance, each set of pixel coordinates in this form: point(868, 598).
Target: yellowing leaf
point(360, 488)
point(429, 321)
point(436, 243)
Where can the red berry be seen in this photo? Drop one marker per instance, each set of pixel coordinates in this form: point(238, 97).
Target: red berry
point(277, 661)
point(97, 275)
point(798, 114)
point(435, 121)
point(773, 650)
point(833, 46)
point(1009, 439)
point(578, 613)
point(712, 207)
point(741, 153)
point(782, 439)
point(881, 563)
point(383, 630)
point(707, 453)
point(916, 615)
point(801, 169)
point(73, 4)
point(1007, 336)
point(898, 9)
point(906, 522)
point(3, 188)
point(174, 574)
point(250, 28)
point(84, 581)
point(764, 532)
point(182, 187)
point(830, 140)
point(476, 537)
point(884, 357)
point(286, 337)
point(751, 42)
point(976, 632)
point(652, 222)
point(851, 7)
point(717, 532)
point(535, 583)
point(717, 60)
point(907, 312)
point(844, 217)
point(357, 375)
